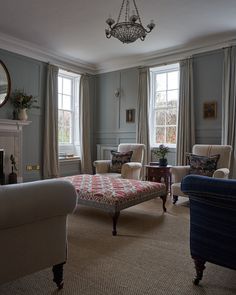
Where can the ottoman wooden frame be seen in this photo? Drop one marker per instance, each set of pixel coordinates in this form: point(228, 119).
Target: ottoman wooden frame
point(115, 194)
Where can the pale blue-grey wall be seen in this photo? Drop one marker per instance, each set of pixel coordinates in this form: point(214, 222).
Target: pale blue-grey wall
point(111, 127)
point(30, 75)
point(208, 74)
point(108, 113)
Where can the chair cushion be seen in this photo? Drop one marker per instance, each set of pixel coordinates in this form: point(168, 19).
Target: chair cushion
point(202, 165)
point(118, 159)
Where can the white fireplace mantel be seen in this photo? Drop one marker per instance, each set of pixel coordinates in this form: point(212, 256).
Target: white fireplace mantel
point(11, 142)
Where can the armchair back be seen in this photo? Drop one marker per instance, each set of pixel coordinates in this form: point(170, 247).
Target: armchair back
point(209, 150)
point(137, 148)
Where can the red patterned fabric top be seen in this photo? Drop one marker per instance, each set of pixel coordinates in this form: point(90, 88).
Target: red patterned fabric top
point(114, 191)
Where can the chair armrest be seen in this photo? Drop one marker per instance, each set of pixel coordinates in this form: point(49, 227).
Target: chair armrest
point(102, 166)
point(131, 170)
point(33, 201)
point(221, 173)
point(178, 173)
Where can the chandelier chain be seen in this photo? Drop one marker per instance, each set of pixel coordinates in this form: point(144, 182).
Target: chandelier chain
point(135, 5)
point(122, 6)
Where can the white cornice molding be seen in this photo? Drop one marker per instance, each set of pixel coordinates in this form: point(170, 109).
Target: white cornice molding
point(152, 59)
point(164, 56)
point(31, 50)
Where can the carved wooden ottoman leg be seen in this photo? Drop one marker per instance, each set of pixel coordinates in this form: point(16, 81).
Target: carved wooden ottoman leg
point(115, 217)
point(199, 266)
point(164, 202)
point(58, 275)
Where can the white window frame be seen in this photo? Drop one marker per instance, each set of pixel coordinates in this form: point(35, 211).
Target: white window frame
point(72, 148)
point(152, 123)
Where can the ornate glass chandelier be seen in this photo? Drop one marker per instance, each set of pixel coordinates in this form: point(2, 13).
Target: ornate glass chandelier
point(131, 28)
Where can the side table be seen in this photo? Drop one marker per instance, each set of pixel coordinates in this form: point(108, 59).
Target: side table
point(157, 173)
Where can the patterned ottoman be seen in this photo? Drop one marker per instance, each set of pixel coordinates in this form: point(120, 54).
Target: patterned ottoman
point(115, 194)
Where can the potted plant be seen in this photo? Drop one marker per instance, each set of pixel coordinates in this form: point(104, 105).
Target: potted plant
point(22, 102)
point(161, 153)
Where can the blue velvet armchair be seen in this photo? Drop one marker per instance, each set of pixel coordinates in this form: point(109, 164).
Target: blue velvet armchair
point(212, 221)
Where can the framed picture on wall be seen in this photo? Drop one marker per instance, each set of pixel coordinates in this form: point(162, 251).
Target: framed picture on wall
point(130, 116)
point(210, 110)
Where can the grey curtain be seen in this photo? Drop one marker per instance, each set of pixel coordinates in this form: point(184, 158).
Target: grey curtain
point(229, 104)
point(142, 134)
point(84, 119)
point(50, 136)
point(186, 126)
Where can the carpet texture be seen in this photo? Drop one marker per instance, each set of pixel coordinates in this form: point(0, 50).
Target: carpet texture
point(149, 256)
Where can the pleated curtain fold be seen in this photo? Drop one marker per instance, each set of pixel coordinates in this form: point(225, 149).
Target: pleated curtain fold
point(229, 104)
point(142, 134)
point(186, 125)
point(50, 135)
point(84, 125)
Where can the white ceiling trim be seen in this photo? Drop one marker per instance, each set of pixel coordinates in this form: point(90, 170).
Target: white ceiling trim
point(31, 50)
point(165, 56)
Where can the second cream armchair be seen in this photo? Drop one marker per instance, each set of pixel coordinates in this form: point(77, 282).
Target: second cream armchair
point(223, 165)
point(130, 170)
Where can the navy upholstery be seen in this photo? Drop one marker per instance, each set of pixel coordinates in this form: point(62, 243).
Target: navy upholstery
point(212, 221)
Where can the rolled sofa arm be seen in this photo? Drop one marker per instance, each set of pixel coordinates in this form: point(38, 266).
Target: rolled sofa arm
point(131, 170)
point(221, 173)
point(29, 202)
point(203, 186)
point(102, 166)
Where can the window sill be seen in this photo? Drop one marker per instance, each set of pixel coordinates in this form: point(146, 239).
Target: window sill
point(69, 159)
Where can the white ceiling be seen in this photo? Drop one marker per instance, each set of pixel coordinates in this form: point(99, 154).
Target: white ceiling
point(74, 29)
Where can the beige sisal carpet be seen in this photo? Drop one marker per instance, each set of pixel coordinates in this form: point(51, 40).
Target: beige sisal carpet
point(150, 256)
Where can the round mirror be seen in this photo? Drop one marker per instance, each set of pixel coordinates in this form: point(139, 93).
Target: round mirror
point(5, 84)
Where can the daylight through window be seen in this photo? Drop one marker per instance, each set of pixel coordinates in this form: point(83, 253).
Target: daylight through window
point(164, 104)
point(68, 113)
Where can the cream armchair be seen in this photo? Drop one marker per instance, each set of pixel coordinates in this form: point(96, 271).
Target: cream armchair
point(33, 233)
point(223, 165)
point(129, 170)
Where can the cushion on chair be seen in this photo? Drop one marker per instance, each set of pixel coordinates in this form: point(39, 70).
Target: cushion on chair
point(118, 159)
point(202, 165)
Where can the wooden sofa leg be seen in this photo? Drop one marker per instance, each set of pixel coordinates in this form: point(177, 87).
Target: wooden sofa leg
point(58, 275)
point(175, 199)
point(199, 266)
point(115, 217)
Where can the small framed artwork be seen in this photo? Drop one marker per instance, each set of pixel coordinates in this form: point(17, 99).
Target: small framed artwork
point(130, 116)
point(210, 110)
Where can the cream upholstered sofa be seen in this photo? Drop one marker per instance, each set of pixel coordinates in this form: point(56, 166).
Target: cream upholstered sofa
point(129, 170)
point(223, 165)
point(33, 233)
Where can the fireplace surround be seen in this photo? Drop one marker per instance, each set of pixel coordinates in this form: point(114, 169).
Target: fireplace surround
point(11, 141)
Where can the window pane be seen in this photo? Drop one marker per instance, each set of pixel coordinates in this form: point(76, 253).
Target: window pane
point(66, 86)
point(171, 117)
point(171, 135)
point(60, 134)
point(160, 99)
point(66, 102)
point(67, 135)
point(160, 135)
point(59, 84)
point(172, 98)
point(161, 81)
point(173, 80)
point(60, 118)
point(59, 101)
point(67, 119)
point(160, 117)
